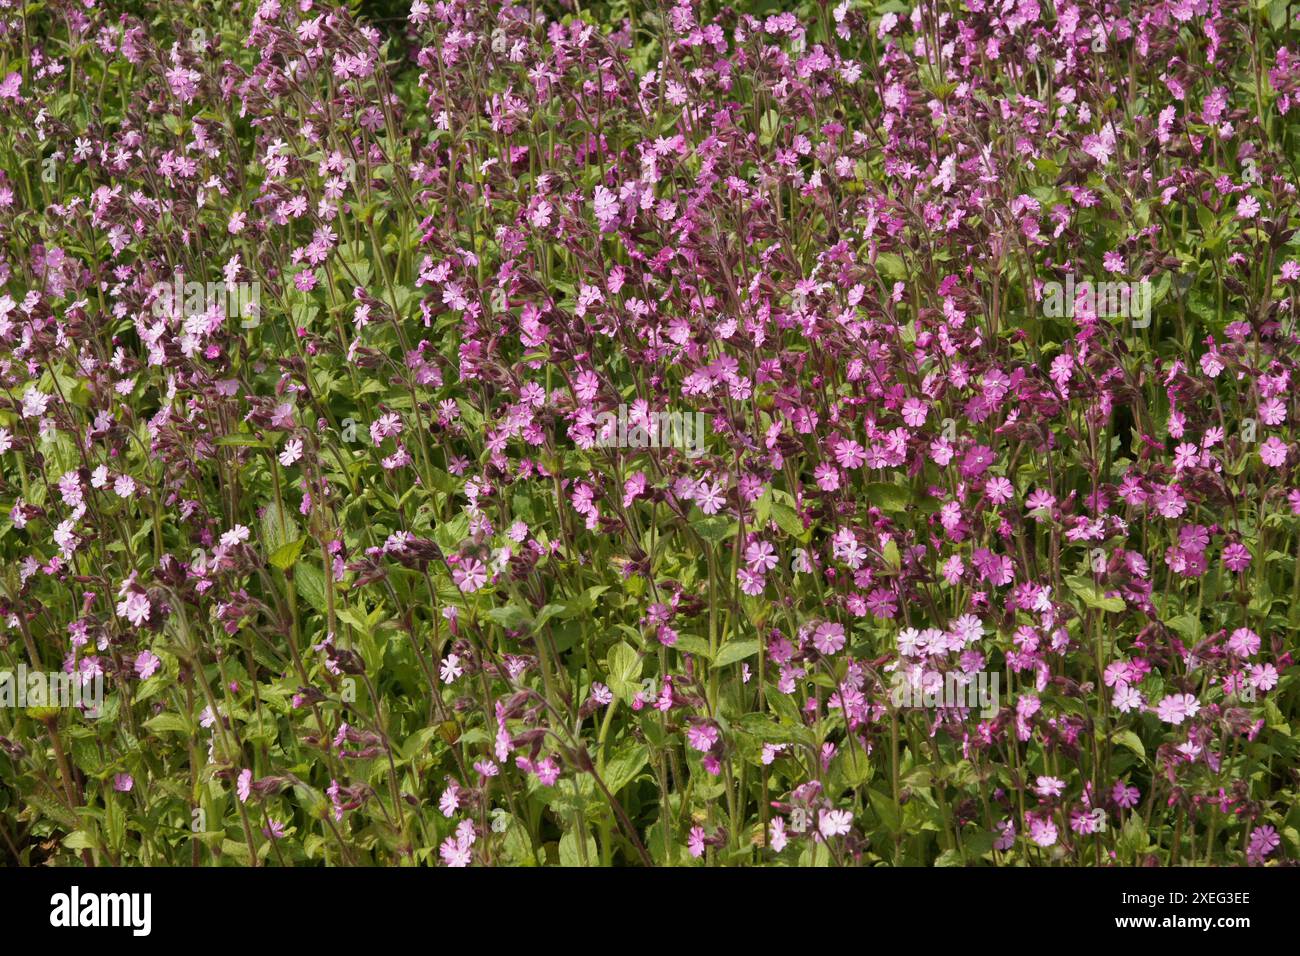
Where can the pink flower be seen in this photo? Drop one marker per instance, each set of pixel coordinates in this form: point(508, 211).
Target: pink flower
point(134, 607)
point(1042, 831)
point(999, 490)
point(449, 802)
point(146, 665)
point(777, 840)
point(1005, 837)
point(1273, 452)
point(760, 556)
point(1263, 841)
point(976, 461)
point(10, 86)
point(470, 575)
point(1175, 708)
point(455, 852)
point(850, 454)
point(914, 412)
point(695, 842)
point(1262, 677)
point(1244, 642)
point(834, 823)
point(710, 497)
point(1125, 795)
point(1127, 699)
point(1049, 786)
point(1236, 557)
point(548, 771)
point(702, 736)
point(828, 638)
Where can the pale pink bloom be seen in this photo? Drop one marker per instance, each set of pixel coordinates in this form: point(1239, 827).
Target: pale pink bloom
point(146, 664)
point(833, 823)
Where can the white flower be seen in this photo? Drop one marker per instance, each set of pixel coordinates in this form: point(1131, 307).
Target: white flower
point(292, 452)
point(235, 535)
point(450, 669)
point(778, 841)
point(34, 402)
point(835, 822)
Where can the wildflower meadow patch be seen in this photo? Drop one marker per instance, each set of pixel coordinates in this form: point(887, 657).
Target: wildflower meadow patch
point(472, 433)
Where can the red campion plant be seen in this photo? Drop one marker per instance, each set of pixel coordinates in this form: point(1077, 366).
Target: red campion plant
point(649, 434)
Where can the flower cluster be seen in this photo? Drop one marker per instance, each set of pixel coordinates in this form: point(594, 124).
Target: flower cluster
point(504, 436)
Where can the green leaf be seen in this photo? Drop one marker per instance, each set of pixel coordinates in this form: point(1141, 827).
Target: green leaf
point(770, 732)
point(79, 840)
point(546, 613)
point(309, 581)
point(734, 651)
point(884, 807)
point(854, 767)
point(570, 855)
point(623, 668)
point(515, 846)
point(53, 809)
point(241, 440)
point(1187, 625)
point(976, 845)
point(714, 529)
point(511, 617)
point(278, 528)
point(888, 497)
point(625, 766)
point(286, 556)
point(168, 723)
point(891, 264)
point(1130, 740)
point(788, 521)
point(1133, 838)
point(690, 644)
point(1091, 594)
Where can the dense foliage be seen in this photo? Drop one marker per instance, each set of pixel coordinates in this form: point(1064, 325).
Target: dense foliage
point(650, 434)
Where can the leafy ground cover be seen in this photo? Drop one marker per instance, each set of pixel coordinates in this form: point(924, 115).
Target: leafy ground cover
point(643, 434)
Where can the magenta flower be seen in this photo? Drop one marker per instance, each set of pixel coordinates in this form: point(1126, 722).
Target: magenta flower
point(1273, 452)
point(1124, 794)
